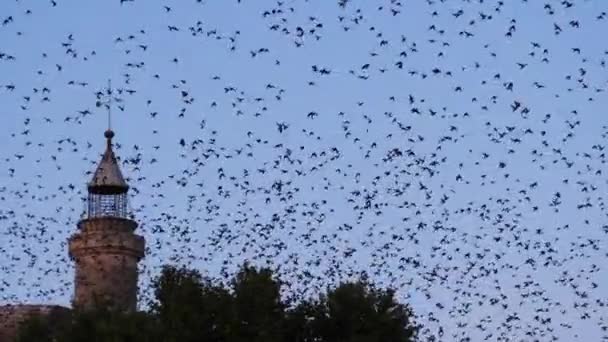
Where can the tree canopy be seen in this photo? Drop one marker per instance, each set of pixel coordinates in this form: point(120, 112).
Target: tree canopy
point(189, 307)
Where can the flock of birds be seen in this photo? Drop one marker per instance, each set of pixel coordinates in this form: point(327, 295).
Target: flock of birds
point(453, 150)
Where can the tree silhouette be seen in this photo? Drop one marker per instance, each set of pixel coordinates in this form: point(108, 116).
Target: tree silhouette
point(99, 325)
point(355, 312)
point(258, 312)
point(188, 307)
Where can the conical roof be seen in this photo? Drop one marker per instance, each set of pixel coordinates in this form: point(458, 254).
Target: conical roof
point(108, 178)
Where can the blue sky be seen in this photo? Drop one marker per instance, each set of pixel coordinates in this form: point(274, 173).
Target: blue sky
point(470, 240)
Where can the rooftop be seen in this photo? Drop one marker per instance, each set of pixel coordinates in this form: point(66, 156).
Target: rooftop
point(108, 178)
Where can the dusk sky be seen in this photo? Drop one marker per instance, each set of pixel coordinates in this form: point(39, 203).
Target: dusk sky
point(452, 150)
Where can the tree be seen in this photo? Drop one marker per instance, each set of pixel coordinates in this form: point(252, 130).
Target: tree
point(303, 322)
point(99, 325)
point(258, 312)
point(357, 312)
point(40, 328)
point(188, 307)
point(352, 312)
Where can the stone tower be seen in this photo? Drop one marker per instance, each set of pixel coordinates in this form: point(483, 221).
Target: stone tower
point(105, 248)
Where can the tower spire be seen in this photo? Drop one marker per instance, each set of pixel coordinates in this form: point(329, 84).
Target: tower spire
point(108, 178)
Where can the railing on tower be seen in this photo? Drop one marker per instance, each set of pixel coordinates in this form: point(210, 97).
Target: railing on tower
point(107, 205)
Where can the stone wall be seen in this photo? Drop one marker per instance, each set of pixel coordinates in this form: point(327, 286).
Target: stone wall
point(106, 253)
point(106, 278)
point(12, 315)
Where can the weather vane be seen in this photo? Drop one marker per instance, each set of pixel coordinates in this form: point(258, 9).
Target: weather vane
point(109, 104)
point(106, 99)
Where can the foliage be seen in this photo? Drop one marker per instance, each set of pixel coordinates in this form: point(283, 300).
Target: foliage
point(99, 325)
point(189, 307)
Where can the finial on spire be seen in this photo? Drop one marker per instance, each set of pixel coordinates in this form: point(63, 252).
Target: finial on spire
point(109, 134)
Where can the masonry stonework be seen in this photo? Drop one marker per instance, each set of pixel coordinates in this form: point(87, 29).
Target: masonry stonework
point(106, 253)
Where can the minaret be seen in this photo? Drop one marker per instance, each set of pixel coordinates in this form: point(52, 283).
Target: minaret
point(105, 249)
